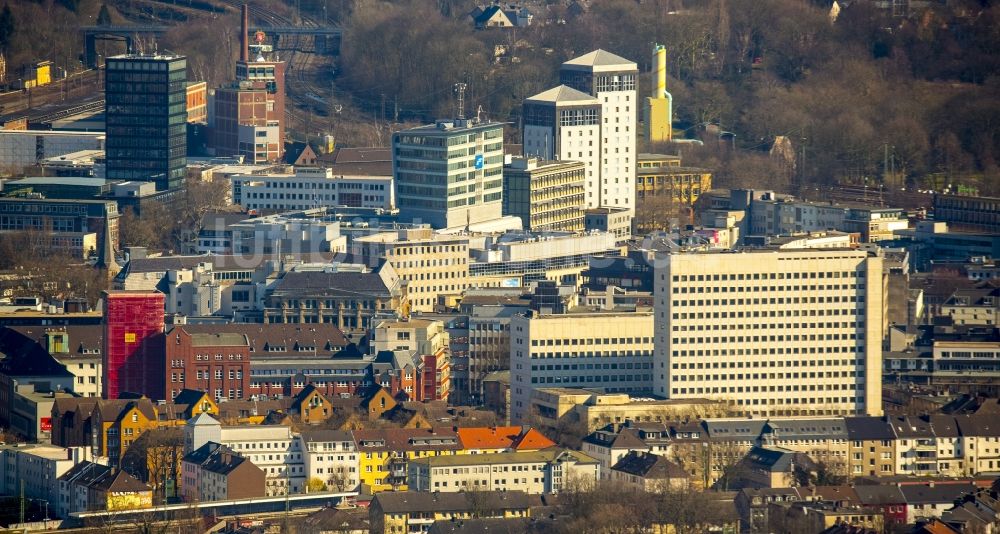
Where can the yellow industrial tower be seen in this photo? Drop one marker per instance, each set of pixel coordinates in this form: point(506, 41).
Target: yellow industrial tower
point(659, 106)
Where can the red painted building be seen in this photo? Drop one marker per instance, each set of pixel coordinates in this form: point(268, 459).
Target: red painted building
point(217, 363)
point(132, 349)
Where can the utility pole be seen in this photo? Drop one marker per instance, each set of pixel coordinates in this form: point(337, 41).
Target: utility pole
point(22, 501)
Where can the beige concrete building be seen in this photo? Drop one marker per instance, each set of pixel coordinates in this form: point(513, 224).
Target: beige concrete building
point(554, 405)
point(545, 471)
point(609, 351)
point(433, 265)
point(546, 195)
point(774, 333)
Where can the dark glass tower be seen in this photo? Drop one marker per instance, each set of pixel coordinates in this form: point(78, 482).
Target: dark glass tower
point(146, 115)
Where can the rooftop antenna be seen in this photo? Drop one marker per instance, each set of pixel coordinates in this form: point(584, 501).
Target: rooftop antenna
point(460, 91)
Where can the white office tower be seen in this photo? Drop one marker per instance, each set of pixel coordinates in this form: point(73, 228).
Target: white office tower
point(773, 332)
point(564, 124)
point(611, 79)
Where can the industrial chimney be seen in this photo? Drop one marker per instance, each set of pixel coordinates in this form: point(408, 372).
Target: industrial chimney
point(244, 40)
point(658, 109)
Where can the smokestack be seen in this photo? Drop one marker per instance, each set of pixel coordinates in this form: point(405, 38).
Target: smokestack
point(659, 71)
point(244, 40)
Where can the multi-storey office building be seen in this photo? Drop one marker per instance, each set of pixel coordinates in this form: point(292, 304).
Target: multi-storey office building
point(565, 124)
point(546, 471)
point(449, 174)
point(432, 265)
point(70, 223)
point(968, 212)
point(612, 80)
point(546, 195)
point(146, 118)
point(785, 332)
point(311, 188)
point(612, 351)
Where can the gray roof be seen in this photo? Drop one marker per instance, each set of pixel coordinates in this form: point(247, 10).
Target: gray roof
point(807, 428)
point(944, 426)
point(741, 430)
point(776, 460)
point(332, 283)
point(648, 465)
point(911, 427)
point(326, 435)
point(419, 501)
point(881, 494)
point(868, 428)
point(983, 425)
point(935, 492)
point(562, 94)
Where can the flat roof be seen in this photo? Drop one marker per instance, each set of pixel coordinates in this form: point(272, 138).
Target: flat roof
point(81, 181)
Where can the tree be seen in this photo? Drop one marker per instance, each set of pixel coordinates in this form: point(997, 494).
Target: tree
point(155, 458)
point(103, 16)
point(7, 27)
point(314, 485)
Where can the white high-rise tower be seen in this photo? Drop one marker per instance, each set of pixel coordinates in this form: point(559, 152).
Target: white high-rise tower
point(611, 79)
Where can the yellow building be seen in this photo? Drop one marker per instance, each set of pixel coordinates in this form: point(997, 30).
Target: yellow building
point(400, 512)
point(384, 454)
point(659, 109)
point(662, 176)
point(120, 422)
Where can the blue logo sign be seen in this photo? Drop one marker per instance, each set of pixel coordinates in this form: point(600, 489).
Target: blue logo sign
point(479, 161)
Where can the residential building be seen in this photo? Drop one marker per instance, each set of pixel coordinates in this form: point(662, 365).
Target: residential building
point(78, 348)
point(132, 321)
point(774, 319)
point(90, 486)
point(384, 454)
point(492, 440)
point(931, 499)
point(311, 406)
point(916, 446)
point(824, 439)
point(595, 408)
point(429, 341)
point(610, 350)
point(416, 511)
point(310, 187)
point(116, 424)
point(30, 412)
point(966, 212)
point(449, 174)
point(612, 80)
point(146, 119)
point(71, 420)
point(980, 443)
point(215, 472)
point(33, 470)
point(272, 448)
point(546, 471)
point(331, 456)
point(974, 307)
point(610, 444)
point(649, 472)
point(564, 124)
point(546, 195)
point(434, 266)
point(871, 446)
point(772, 468)
point(218, 364)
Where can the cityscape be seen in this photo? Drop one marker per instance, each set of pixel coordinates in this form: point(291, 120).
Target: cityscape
point(562, 266)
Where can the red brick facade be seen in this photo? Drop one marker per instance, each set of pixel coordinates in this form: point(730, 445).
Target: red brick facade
point(218, 364)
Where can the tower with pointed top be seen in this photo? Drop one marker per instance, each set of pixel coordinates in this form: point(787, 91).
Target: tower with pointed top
point(612, 80)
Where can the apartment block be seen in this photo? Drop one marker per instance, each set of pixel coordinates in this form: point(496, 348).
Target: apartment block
point(546, 471)
point(429, 340)
point(612, 80)
point(786, 332)
point(331, 457)
point(217, 363)
point(546, 195)
point(611, 350)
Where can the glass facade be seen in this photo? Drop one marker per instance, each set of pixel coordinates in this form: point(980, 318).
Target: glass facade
point(146, 118)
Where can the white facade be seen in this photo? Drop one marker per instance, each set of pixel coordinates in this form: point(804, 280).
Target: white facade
point(272, 448)
point(22, 148)
point(311, 188)
point(609, 351)
point(38, 467)
point(564, 124)
point(331, 457)
point(612, 80)
point(546, 471)
point(789, 332)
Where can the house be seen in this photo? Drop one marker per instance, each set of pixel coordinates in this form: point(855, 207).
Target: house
point(870, 446)
point(385, 453)
point(311, 406)
point(331, 457)
point(611, 443)
point(765, 467)
point(301, 154)
point(493, 17)
point(411, 511)
point(71, 421)
point(887, 498)
point(215, 473)
point(195, 402)
point(546, 471)
point(91, 486)
point(753, 505)
point(485, 440)
point(930, 500)
point(377, 401)
point(119, 423)
point(649, 472)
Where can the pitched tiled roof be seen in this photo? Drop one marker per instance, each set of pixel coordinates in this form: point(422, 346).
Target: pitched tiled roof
point(648, 465)
point(600, 58)
point(406, 439)
point(563, 93)
point(326, 338)
point(530, 439)
point(868, 428)
point(935, 492)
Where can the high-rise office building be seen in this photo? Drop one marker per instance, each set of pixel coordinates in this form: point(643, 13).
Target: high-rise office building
point(773, 332)
point(565, 124)
point(133, 351)
point(146, 119)
point(612, 80)
point(449, 174)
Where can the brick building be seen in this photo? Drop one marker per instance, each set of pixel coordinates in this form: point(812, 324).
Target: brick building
point(217, 363)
